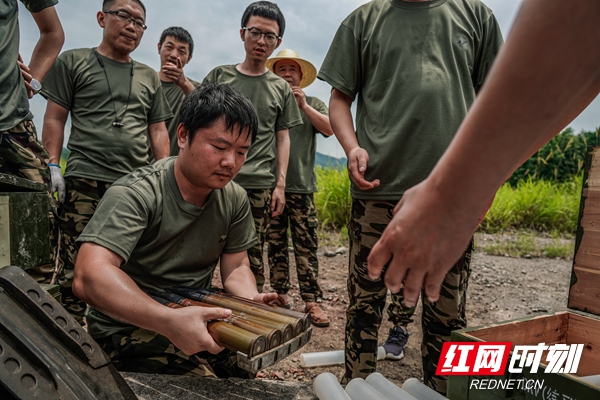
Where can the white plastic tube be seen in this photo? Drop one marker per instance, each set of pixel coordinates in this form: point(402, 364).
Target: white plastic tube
point(358, 389)
point(420, 390)
point(593, 379)
point(387, 388)
point(327, 387)
point(329, 358)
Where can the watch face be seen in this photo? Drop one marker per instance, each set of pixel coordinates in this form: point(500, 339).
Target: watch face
point(35, 84)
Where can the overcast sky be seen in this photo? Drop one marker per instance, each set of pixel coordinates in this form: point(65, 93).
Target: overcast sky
point(215, 24)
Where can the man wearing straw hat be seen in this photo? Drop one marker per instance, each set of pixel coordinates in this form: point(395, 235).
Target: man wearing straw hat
point(299, 211)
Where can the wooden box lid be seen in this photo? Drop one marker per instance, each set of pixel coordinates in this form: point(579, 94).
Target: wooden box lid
point(584, 294)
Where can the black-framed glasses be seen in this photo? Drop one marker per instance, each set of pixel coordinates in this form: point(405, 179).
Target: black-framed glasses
point(123, 16)
point(255, 34)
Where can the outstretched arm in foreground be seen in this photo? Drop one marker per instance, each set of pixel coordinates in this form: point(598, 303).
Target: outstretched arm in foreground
point(545, 75)
point(102, 284)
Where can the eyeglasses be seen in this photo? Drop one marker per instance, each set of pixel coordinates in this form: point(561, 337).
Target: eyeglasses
point(255, 34)
point(124, 17)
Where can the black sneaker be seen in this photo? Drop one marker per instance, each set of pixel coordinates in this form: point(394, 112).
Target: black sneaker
point(394, 345)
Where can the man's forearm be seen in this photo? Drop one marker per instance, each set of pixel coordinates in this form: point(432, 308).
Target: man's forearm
point(159, 140)
point(236, 276)
point(53, 130)
point(49, 44)
point(318, 120)
point(97, 270)
point(341, 120)
point(52, 140)
point(187, 87)
point(283, 156)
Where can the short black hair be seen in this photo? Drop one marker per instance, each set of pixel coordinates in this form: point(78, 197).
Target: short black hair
point(108, 3)
point(211, 102)
point(180, 34)
point(265, 9)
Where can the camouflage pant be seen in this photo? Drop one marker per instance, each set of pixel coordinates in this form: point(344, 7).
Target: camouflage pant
point(302, 216)
point(22, 155)
point(140, 350)
point(81, 199)
point(260, 204)
point(368, 297)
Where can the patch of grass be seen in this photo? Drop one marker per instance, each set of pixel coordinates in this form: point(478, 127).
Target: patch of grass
point(535, 205)
point(333, 238)
point(519, 247)
point(528, 245)
point(559, 250)
point(333, 199)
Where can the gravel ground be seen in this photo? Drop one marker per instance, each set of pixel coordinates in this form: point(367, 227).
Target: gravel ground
point(500, 289)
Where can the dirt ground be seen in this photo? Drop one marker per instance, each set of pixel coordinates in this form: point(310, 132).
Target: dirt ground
point(500, 289)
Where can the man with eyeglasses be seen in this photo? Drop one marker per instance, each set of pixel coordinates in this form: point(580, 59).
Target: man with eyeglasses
point(264, 172)
point(175, 49)
point(117, 109)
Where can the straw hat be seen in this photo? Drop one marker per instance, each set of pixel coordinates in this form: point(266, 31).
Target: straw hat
point(309, 72)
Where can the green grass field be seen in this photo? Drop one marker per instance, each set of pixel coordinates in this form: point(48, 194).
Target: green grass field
point(531, 205)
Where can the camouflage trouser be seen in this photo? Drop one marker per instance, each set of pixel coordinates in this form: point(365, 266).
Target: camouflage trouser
point(81, 199)
point(368, 297)
point(260, 204)
point(22, 155)
point(140, 350)
point(302, 216)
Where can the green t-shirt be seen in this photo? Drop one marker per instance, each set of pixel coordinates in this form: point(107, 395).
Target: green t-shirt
point(14, 104)
point(276, 108)
point(165, 241)
point(99, 150)
point(416, 67)
point(300, 176)
point(175, 97)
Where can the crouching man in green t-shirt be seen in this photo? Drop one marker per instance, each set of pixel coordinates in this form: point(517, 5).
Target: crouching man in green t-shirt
point(169, 224)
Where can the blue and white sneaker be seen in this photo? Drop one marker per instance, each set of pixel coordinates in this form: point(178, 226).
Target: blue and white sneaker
point(394, 345)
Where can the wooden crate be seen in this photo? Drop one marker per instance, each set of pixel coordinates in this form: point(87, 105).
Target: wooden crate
point(579, 325)
point(24, 223)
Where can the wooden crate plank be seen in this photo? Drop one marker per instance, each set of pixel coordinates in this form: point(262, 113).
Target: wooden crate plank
point(587, 331)
point(584, 294)
point(547, 329)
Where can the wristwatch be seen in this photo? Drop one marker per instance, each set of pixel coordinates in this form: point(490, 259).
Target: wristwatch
point(35, 85)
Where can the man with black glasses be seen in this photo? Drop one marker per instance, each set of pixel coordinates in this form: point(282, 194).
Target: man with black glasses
point(263, 174)
point(117, 108)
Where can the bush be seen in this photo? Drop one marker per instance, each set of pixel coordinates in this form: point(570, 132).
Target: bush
point(539, 205)
point(530, 205)
point(559, 160)
point(333, 200)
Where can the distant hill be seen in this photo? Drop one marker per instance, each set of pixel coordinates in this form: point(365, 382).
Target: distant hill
point(321, 160)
